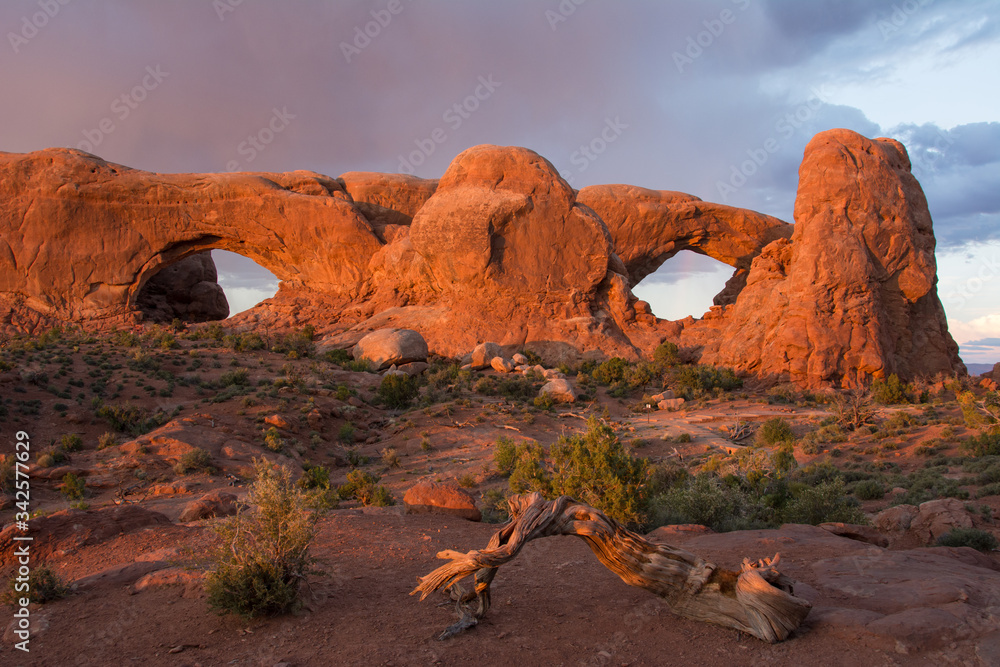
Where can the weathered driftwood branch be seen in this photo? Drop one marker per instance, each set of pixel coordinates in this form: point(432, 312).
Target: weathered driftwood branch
point(757, 600)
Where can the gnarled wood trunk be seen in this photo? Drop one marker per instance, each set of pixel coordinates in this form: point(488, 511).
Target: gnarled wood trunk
point(757, 600)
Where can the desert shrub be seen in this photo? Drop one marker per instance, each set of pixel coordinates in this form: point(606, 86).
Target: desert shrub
point(515, 387)
point(71, 442)
point(495, 508)
point(264, 553)
point(72, 487)
point(979, 414)
point(355, 458)
point(346, 432)
point(610, 371)
point(51, 457)
point(239, 377)
point(783, 459)
point(42, 585)
point(980, 540)
point(707, 500)
point(107, 439)
point(273, 440)
point(397, 390)
point(244, 342)
point(684, 438)
point(504, 455)
point(529, 472)
point(984, 444)
point(869, 489)
point(339, 357)
point(364, 487)
point(314, 477)
point(125, 339)
point(390, 457)
point(597, 469)
point(194, 460)
point(544, 402)
point(890, 391)
point(132, 419)
point(296, 344)
point(822, 503)
point(930, 484)
point(988, 490)
point(696, 381)
point(467, 481)
point(775, 430)
point(666, 355)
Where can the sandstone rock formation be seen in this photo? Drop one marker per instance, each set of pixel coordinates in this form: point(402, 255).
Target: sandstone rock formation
point(502, 249)
point(441, 498)
point(386, 347)
point(188, 290)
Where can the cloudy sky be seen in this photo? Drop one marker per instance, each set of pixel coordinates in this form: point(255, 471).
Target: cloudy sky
point(661, 94)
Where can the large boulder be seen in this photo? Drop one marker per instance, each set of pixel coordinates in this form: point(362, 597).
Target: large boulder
point(386, 347)
point(188, 290)
point(484, 354)
point(560, 390)
point(212, 504)
point(441, 498)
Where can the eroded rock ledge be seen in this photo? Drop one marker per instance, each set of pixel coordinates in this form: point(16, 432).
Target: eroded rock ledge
point(501, 248)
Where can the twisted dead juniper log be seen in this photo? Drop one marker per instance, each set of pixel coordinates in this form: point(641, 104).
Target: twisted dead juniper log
point(757, 600)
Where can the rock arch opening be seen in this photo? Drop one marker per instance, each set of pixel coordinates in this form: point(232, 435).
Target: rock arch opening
point(203, 287)
point(684, 285)
point(245, 282)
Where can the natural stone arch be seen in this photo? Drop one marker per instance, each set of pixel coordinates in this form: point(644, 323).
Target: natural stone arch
point(649, 227)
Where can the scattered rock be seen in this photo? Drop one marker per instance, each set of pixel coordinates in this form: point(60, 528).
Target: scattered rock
point(937, 517)
point(414, 368)
point(214, 504)
point(561, 390)
point(484, 354)
point(386, 347)
point(277, 421)
point(501, 365)
point(519, 359)
point(668, 533)
point(670, 404)
point(441, 498)
point(192, 580)
point(895, 519)
point(117, 576)
point(667, 395)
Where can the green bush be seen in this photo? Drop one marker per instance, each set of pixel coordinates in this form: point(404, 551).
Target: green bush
point(775, 430)
point(504, 455)
point(695, 381)
point(891, 391)
point(823, 503)
point(193, 461)
point(597, 469)
point(237, 377)
point(667, 355)
point(495, 508)
point(346, 432)
point(43, 585)
point(273, 440)
point(984, 444)
point(72, 487)
point(611, 371)
point(244, 342)
point(390, 457)
point(263, 557)
point(107, 439)
point(71, 442)
point(314, 477)
point(397, 390)
point(869, 489)
point(363, 486)
point(706, 500)
point(131, 419)
point(980, 540)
